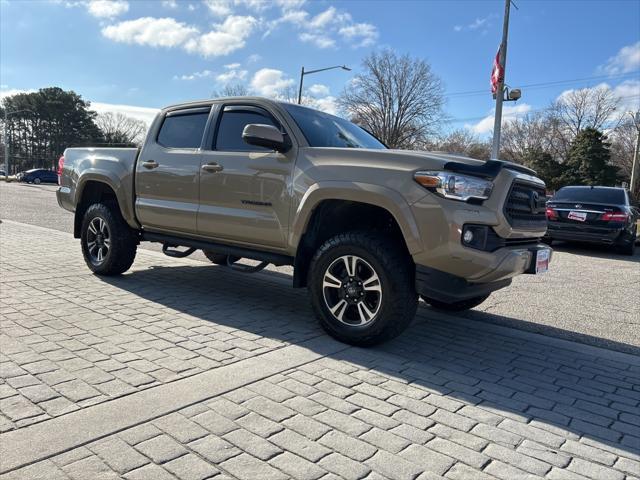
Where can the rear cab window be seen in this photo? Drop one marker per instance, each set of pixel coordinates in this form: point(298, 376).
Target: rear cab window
point(591, 195)
point(183, 129)
point(232, 123)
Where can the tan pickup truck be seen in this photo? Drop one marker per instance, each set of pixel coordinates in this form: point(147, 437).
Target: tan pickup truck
point(367, 229)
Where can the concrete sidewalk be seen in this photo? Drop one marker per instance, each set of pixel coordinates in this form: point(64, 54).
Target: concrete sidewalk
point(184, 370)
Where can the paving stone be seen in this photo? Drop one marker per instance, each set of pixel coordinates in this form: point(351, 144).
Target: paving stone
point(460, 471)
point(412, 433)
point(345, 423)
point(269, 408)
point(347, 446)
point(392, 466)
point(149, 472)
point(344, 467)
point(161, 449)
point(45, 470)
point(246, 467)
point(593, 470)
point(138, 434)
point(504, 471)
point(259, 425)
point(587, 452)
point(385, 440)
point(118, 455)
point(214, 449)
point(39, 393)
point(180, 427)
point(291, 441)
point(88, 468)
point(306, 426)
point(191, 467)
point(19, 408)
point(546, 454)
point(372, 418)
point(468, 440)
point(297, 467)
point(428, 459)
point(458, 452)
point(227, 408)
point(252, 444)
point(215, 423)
point(519, 460)
point(77, 390)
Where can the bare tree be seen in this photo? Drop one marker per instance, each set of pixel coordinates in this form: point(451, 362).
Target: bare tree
point(585, 108)
point(231, 90)
point(397, 98)
point(462, 142)
point(623, 144)
point(121, 130)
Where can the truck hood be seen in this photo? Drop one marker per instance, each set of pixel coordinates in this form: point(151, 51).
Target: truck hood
point(404, 160)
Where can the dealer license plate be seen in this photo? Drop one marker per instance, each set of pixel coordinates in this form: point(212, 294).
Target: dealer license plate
point(542, 260)
point(578, 216)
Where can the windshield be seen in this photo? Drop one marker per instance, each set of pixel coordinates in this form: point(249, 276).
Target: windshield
point(590, 195)
point(324, 130)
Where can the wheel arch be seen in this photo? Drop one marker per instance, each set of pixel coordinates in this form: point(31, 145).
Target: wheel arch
point(97, 189)
point(368, 206)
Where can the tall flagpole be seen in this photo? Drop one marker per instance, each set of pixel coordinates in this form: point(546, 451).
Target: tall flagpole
point(497, 122)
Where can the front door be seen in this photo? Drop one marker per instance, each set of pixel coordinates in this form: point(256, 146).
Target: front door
point(168, 172)
point(243, 188)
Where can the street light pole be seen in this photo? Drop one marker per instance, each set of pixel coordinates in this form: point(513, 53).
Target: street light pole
point(309, 72)
point(635, 167)
point(497, 121)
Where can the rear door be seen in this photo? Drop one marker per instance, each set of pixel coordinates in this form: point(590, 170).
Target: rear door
point(243, 188)
point(168, 173)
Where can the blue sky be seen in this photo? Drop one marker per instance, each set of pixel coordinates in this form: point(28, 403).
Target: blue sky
point(126, 54)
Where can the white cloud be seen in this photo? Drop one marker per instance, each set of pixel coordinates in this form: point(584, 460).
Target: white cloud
point(480, 23)
point(629, 94)
point(509, 114)
point(154, 32)
point(290, 4)
point(319, 90)
point(168, 32)
point(626, 60)
point(219, 8)
point(360, 34)
point(319, 40)
point(8, 92)
point(140, 113)
point(233, 72)
point(107, 8)
point(326, 104)
point(270, 82)
point(194, 75)
point(170, 4)
point(227, 37)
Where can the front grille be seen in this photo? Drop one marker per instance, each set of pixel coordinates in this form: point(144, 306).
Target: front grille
point(525, 206)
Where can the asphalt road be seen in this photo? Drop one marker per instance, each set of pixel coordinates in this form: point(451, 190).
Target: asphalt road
point(590, 295)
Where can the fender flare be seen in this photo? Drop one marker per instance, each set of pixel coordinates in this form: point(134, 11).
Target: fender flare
point(124, 199)
point(372, 194)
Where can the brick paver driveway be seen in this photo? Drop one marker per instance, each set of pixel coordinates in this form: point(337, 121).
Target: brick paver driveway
point(180, 369)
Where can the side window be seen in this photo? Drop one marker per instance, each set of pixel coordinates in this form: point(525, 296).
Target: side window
point(232, 123)
point(183, 131)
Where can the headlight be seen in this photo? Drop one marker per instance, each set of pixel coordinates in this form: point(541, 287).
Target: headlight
point(455, 186)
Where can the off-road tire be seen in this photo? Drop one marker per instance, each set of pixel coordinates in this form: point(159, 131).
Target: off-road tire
point(220, 258)
point(460, 306)
point(123, 246)
point(396, 273)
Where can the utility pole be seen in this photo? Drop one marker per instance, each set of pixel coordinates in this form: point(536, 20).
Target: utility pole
point(497, 122)
point(635, 166)
point(300, 87)
point(309, 72)
point(5, 137)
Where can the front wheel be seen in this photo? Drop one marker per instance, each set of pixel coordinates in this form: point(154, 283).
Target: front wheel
point(362, 288)
point(37, 181)
point(108, 243)
point(460, 306)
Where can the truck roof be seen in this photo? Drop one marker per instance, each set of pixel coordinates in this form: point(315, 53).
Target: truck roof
point(211, 101)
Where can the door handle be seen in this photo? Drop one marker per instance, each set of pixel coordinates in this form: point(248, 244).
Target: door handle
point(150, 164)
point(212, 167)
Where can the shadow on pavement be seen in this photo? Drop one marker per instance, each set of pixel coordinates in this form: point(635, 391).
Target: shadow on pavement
point(542, 390)
point(596, 251)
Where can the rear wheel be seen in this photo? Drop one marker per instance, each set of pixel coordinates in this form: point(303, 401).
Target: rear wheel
point(219, 258)
point(108, 244)
point(460, 306)
point(629, 247)
point(362, 289)
point(37, 181)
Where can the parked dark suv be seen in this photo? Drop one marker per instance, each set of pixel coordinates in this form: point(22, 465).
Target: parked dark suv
point(601, 215)
point(39, 175)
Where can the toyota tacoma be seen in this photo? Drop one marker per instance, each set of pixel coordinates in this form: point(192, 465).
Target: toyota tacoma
point(368, 230)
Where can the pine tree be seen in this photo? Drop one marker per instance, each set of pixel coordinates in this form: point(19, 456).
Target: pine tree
point(588, 161)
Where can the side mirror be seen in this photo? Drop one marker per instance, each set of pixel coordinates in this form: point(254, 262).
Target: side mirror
point(264, 136)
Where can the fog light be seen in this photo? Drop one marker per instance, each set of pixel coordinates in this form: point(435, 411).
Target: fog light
point(468, 236)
